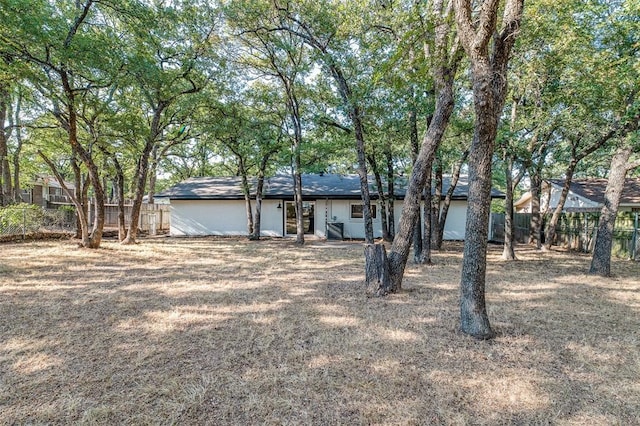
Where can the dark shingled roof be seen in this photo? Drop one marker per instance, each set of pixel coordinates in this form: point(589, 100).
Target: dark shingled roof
point(314, 186)
point(593, 189)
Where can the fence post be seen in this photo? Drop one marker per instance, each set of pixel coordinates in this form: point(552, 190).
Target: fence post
point(24, 223)
point(634, 239)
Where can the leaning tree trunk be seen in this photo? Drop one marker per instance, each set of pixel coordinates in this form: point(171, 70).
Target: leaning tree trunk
point(446, 203)
point(550, 234)
point(411, 208)
point(448, 58)
point(601, 260)
point(141, 173)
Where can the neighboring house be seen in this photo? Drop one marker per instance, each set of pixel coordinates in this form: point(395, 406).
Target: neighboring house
point(332, 207)
point(585, 195)
point(46, 192)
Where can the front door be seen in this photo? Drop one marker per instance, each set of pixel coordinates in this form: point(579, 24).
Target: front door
point(308, 222)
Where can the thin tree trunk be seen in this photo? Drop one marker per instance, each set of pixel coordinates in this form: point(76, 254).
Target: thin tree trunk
point(391, 218)
point(297, 197)
point(418, 256)
point(535, 227)
point(428, 222)
point(153, 176)
point(436, 204)
point(381, 197)
point(257, 223)
point(119, 183)
point(446, 203)
point(257, 220)
point(508, 252)
point(18, 150)
point(246, 191)
point(5, 170)
point(550, 235)
point(601, 259)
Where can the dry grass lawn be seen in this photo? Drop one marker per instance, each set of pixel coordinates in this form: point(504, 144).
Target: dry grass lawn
point(227, 331)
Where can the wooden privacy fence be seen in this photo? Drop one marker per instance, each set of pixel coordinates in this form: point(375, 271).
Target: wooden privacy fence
point(577, 231)
point(154, 218)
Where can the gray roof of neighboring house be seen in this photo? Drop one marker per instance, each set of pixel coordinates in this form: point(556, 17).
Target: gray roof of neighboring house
point(314, 186)
point(593, 189)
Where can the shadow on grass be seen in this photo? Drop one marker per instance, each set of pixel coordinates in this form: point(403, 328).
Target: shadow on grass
point(228, 332)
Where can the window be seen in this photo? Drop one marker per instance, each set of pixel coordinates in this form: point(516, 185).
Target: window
point(357, 211)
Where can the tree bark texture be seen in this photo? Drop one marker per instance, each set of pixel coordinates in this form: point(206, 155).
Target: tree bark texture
point(535, 227)
point(473, 313)
point(378, 282)
point(119, 184)
point(508, 252)
point(446, 203)
point(6, 195)
point(489, 74)
point(550, 234)
point(444, 75)
point(142, 171)
point(391, 217)
point(601, 259)
point(93, 240)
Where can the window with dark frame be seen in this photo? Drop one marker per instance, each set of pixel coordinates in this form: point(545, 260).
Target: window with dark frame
point(357, 211)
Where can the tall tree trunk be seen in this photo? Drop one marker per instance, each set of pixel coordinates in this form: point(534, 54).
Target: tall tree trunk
point(142, 171)
point(153, 176)
point(246, 191)
point(428, 221)
point(444, 77)
point(436, 204)
point(381, 197)
point(473, 313)
point(418, 256)
point(297, 197)
point(391, 217)
point(446, 203)
point(257, 222)
point(489, 52)
point(119, 183)
point(95, 238)
point(550, 234)
point(601, 259)
point(18, 150)
point(535, 227)
point(6, 194)
point(508, 252)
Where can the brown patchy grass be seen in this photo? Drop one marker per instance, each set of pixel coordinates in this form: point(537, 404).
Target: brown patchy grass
point(226, 331)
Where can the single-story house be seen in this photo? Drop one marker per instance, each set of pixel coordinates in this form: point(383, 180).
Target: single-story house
point(332, 207)
point(585, 195)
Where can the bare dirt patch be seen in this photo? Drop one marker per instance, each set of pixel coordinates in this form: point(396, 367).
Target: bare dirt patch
point(227, 331)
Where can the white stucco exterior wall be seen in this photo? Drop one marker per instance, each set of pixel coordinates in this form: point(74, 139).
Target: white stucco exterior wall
point(221, 217)
point(228, 218)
